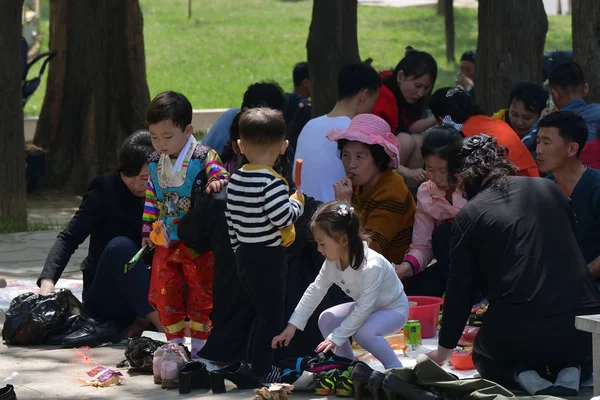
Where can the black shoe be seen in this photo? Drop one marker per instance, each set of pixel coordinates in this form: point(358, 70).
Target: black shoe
point(239, 373)
point(92, 333)
point(395, 388)
point(73, 323)
point(193, 375)
point(375, 385)
point(8, 393)
point(360, 378)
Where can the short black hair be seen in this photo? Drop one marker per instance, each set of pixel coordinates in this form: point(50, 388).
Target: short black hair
point(442, 141)
point(353, 78)
point(532, 95)
point(262, 126)
point(264, 94)
point(454, 102)
point(571, 127)
point(568, 77)
point(381, 158)
point(134, 153)
point(468, 55)
point(171, 106)
point(300, 73)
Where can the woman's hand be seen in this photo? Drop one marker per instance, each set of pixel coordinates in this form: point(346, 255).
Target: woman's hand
point(285, 337)
point(343, 190)
point(404, 270)
point(325, 346)
point(216, 186)
point(148, 241)
point(440, 355)
point(46, 287)
point(463, 81)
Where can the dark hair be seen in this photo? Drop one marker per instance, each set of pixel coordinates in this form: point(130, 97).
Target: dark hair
point(416, 64)
point(262, 126)
point(468, 55)
point(441, 141)
point(480, 159)
point(134, 153)
point(171, 106)
point(454, 102)
point(300, 73)
point(569, 77)
point(532, 95)
point(353, 78)
point(337, 218)
point(571, 127)
point(381, 158)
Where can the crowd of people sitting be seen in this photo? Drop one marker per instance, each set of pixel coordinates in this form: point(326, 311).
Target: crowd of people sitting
point(405, 190)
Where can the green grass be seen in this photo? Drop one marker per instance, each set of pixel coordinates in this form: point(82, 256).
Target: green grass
point(229, 44)
point(11, 227)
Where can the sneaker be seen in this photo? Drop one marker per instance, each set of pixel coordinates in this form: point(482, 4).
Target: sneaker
point(343, 384)
point(325, 382)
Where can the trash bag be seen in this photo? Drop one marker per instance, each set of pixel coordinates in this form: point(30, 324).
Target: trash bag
point(31, 317)
point(140, 352)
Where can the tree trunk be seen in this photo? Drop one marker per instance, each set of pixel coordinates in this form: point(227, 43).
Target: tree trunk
point(586, 43)
point(189, 9)
point(96, 93)
point(449, 25)
point(441, 6)
point(13, 205)
point(510, 48)
point(332, 42)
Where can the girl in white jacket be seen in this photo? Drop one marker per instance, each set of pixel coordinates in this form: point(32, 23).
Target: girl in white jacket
point(380, 306)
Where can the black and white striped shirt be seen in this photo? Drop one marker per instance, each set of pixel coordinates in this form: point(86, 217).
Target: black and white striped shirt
point(258, 206)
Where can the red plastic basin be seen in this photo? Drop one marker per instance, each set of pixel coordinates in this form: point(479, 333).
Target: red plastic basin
point(427, 312)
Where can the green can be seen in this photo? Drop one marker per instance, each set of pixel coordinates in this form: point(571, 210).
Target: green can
point(412, 333)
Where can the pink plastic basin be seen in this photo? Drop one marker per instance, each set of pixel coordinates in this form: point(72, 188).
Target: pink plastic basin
point(427, 312)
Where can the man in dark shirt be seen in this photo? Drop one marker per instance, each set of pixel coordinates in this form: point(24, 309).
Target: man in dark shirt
point(560, 141)
point(298, 110)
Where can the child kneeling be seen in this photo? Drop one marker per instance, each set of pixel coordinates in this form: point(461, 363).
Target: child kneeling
point(380, 307)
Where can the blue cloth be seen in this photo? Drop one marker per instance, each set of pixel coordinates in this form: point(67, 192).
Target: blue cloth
point(218, 134)
point(589, 112)
point(585, 201)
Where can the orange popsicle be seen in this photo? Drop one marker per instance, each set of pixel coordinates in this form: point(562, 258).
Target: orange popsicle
point(351, 175)
point(298, 173)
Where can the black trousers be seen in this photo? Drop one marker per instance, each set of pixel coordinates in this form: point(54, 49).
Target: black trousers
point(262, 271)
point(115, 295)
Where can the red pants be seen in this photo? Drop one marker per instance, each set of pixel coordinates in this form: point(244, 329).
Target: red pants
point(171, 269)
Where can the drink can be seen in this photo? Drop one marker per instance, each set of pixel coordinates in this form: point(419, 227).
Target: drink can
point(412, 333)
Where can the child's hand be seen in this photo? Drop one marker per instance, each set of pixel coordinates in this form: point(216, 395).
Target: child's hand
point(285, 337)
point(300, 195)
point(325, 346)
point(147, 241)
point(216, 186)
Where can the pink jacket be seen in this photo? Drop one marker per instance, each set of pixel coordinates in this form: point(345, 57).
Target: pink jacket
point(432, 209)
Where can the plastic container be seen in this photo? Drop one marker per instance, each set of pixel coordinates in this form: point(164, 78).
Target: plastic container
point(427, 312)
point(462, 361)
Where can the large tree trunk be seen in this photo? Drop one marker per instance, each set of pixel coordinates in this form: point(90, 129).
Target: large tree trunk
point(96, 93)
point(13, 208)
point(332, 42)
point(449, 25)
point(586, 43)
point(510, 48)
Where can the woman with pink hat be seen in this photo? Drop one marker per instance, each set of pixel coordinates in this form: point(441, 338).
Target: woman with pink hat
point(370, 153)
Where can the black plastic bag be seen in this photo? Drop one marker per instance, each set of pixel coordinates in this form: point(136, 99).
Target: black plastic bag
point(140, 353)
point(31, 317)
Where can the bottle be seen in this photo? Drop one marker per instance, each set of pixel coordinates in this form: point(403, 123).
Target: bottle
point(14, 379)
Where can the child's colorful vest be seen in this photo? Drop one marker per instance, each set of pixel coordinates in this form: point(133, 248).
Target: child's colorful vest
point(174, 192)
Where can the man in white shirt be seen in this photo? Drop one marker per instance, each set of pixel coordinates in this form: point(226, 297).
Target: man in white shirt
point(358, 88)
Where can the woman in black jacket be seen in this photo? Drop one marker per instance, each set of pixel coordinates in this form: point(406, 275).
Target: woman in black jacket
point(110, 214)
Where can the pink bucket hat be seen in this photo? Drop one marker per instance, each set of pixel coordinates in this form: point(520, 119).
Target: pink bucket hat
point(370, 129)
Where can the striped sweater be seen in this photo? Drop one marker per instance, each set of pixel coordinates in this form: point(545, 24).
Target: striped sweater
point(259, 208)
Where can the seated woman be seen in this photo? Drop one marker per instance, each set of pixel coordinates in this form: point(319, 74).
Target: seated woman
point(438, 201)
point(454, 106)
point(369, 153)
point(525, 105)
point(515, 240)
point(401, 103)
point(111, 215)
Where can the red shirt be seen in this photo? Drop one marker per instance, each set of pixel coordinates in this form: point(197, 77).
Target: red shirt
point(518, 153)
point(590, 155)
point(386, 106)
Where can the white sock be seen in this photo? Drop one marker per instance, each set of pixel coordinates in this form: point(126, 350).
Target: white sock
point(532, 382)
point(569, 378)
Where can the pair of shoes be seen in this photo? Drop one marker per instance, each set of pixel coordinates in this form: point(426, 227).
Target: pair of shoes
point(168, 360)
point(364, 377)
point(239, 373)
point(193, 375)
point(334, 382)
point(397, 389)
point(8, 393)
point(92, 333)
point(73, 323)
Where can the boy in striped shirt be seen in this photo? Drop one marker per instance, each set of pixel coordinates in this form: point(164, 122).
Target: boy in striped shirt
point(260, 215)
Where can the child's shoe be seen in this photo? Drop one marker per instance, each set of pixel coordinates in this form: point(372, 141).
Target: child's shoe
point(343, 384)
point(156, 363)
point(325, 382)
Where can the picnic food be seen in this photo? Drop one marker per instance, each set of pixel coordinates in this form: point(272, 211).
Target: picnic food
point(298, 172)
